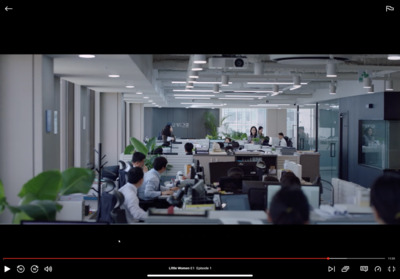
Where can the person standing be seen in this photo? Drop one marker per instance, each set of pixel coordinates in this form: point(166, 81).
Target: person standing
point(167, 134)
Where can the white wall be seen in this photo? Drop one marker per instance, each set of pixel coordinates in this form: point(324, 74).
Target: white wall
point(26, 83)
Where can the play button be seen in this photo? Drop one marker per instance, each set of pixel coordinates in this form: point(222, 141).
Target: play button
point(6, 268)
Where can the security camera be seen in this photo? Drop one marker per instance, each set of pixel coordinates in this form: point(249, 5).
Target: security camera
point(239, 62)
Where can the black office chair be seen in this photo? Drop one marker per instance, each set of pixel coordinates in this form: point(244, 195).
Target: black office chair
point(257, 198)
point(110, 210)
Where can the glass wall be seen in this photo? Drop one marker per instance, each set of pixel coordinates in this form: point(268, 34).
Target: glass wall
point(379, 145)
point(291, 122)
point(242, 119)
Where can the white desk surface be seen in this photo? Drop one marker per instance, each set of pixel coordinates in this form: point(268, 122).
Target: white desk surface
point(238, 214)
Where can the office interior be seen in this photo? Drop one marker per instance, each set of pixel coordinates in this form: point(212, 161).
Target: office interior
point(58, 111)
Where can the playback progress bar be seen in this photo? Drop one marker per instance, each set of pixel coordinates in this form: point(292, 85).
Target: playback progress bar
point(200, 275)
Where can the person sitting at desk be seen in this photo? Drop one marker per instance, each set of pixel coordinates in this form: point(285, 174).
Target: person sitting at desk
point(232, 182)
point(189, 148)
point(133, 212)
point(167, 135)
point(282, 141)
point(253, 134)
point(151, 188)
point(385, 198)
point(138, 160)
point(288, 178)
point(260, 131)
point(289, 206)
point(228, 140)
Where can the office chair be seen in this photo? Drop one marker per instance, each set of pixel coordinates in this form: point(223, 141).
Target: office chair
point(230, 184)
point(257, 198)
point(110, 210)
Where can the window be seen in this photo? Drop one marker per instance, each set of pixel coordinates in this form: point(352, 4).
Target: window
point(242, 119)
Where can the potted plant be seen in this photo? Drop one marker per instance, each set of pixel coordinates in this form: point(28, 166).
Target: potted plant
point(40, 194)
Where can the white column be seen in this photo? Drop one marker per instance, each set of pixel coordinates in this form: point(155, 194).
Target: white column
point(77, 125)
point(127, 123)
point(96, 120)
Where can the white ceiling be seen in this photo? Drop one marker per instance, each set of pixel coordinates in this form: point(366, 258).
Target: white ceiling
point(155, 82)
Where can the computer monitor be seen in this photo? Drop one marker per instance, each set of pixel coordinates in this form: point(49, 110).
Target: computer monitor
point(235, 202)
point(271, 191)
point(312, 192)
point(199, 192)
point(192, 172)
point(220, 169)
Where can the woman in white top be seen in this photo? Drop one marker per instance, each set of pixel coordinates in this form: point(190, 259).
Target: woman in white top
point(133, 212)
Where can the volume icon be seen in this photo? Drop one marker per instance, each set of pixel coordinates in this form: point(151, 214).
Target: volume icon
point(48, 269)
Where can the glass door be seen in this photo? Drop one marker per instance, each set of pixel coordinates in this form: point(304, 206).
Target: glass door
point(328, 139)
point(306, 127)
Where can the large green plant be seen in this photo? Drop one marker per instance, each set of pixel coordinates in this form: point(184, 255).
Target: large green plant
point(40, 194)
point(147, 149)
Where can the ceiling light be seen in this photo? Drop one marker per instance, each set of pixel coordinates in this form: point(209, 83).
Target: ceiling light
point(130, 86)
point(258, 68)
point(190, 95)
point(145, 97)
point(269, 105)
point(394, 56)
point(113, 76)
point(389, 85)
point(189, 86)
point(193, 98)
point(371, 89)
point(196, 68)
point(224, 80)
point(274, 82)
point(253, 91)
point(249, 99)
point(193, 75)
point(296, 81)
point(178, 81)
point(193, 90)
point(139, 93)
point(87, 56)
point(199, 59)
point(245, 96)
point(332, 88)
point(191, 80)
point(150, 101)
point(209, 82)
point(367, 82)
point(331, 69)
point(196, 103)
point(216, 88)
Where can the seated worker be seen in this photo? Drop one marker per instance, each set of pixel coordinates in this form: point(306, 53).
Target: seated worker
point(232, 182)
point(290, 179)
point(228, 140)
point(385, 198)
point(133, 212)
point(289, 206)
point(151, 188)
point(138, 160)
point(260, 131)
point(253, 134)
point(282, 141)
point(189, 148)
point(167, 133)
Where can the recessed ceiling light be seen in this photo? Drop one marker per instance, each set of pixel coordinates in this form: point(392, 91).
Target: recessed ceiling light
point(139, 93)
point(87, 56)
point(150, 101)
point(113, 76)
point(245, 96)
point(145, 97)
point(273, 82)
point(130, 86)
point(236, 99)
point(196, 98)
point(197, 68)
point(394, 56)
point(191, 95)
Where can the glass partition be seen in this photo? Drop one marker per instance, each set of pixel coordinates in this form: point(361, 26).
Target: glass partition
point(306, 130)
point(379, 145)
